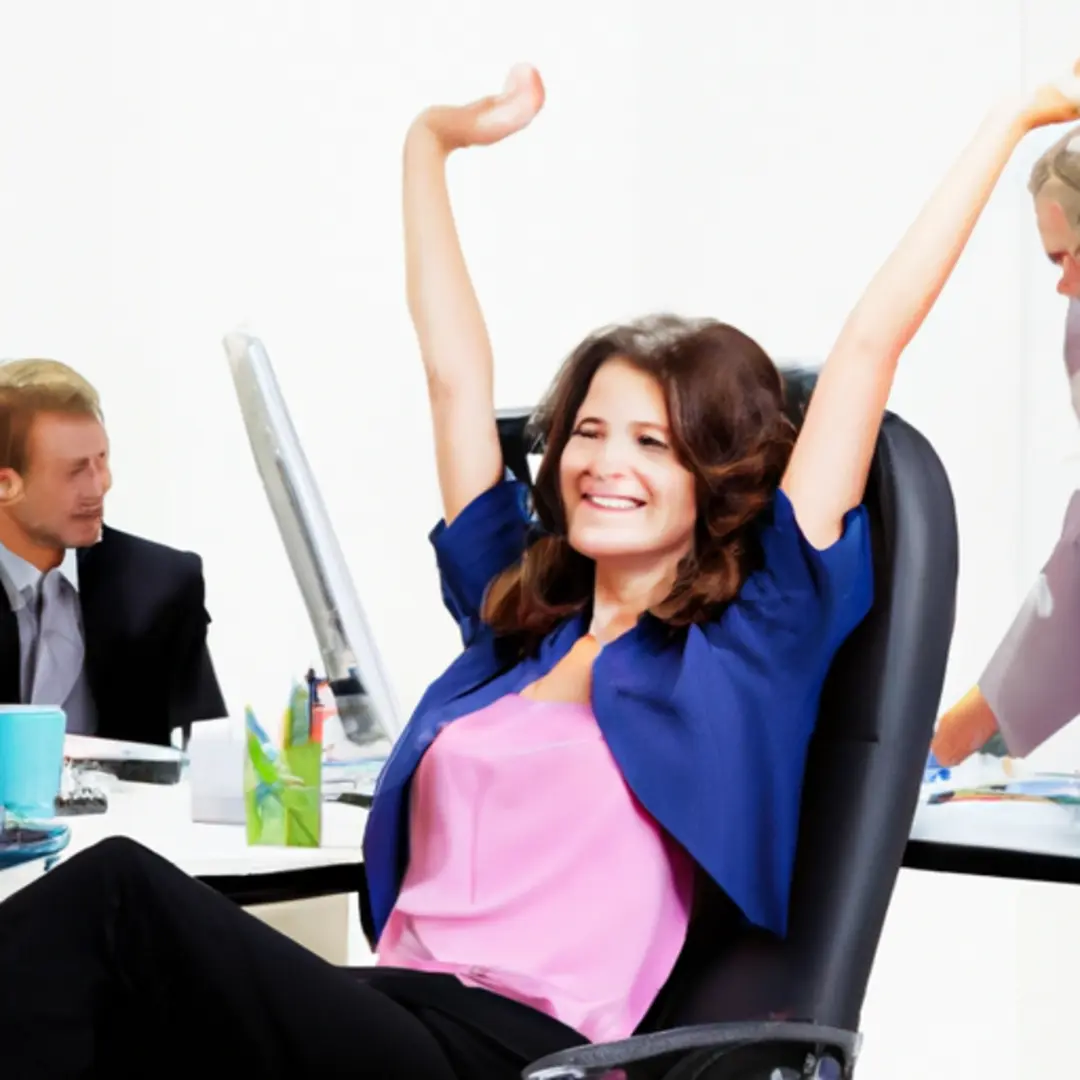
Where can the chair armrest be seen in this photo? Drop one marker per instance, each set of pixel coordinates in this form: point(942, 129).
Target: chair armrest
point(594, 1060)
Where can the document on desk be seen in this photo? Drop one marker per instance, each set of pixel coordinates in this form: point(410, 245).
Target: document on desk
point(128, 761)
point(1060, 789)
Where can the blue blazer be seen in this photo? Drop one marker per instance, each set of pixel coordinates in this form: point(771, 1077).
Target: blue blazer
point(710, 726)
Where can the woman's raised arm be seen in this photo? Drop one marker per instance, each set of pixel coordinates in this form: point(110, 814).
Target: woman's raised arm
point(827, 472)
point(445, 312)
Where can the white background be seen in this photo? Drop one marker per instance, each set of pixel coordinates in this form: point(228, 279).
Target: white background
point(170, 170)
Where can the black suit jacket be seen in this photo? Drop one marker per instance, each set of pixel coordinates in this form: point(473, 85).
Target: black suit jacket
point(144, 624)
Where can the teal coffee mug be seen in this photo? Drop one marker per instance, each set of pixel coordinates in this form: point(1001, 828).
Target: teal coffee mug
point(31, 759)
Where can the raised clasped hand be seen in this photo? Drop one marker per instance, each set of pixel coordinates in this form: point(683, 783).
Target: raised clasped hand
point(489, 119)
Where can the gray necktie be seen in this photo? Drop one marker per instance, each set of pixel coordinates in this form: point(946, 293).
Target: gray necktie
point(59, 656)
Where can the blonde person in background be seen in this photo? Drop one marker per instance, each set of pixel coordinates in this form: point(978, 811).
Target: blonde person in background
point(1031, 687)
point(109, 626)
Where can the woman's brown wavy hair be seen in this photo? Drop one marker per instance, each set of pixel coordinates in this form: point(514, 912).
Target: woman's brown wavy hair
point(729, 428)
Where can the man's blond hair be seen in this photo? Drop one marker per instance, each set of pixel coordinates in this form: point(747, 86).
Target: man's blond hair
point(30, 387)
point(1056, 175)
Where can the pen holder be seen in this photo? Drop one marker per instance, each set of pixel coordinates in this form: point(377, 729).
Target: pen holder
point(283, 788)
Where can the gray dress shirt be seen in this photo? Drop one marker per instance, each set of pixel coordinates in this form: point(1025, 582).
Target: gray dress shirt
point(51, 643)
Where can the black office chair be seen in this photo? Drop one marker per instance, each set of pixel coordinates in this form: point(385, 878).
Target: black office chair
point(750, 1007)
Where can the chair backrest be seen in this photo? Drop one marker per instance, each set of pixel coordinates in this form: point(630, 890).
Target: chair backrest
point(866, 759)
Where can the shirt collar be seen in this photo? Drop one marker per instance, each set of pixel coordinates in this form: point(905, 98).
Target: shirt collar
point(18, 574)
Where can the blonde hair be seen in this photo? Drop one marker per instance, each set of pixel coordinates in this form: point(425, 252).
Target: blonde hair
point(1056, 176)
point(29, 387)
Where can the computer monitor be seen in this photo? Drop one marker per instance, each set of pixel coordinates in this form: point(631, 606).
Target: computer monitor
point(362, 691)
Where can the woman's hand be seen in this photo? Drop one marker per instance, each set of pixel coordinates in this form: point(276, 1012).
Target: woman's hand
point(1056, 102)
point(964, 730)
point(489, 120)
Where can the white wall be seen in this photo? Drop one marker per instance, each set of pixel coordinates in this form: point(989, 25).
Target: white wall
point(172, 169)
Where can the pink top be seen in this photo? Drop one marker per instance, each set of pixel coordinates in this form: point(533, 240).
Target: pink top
point(533, 871)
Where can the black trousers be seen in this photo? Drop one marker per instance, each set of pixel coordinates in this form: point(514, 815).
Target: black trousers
point(117, 964)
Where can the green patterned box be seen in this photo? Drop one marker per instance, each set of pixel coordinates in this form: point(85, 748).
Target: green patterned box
point(283, 788)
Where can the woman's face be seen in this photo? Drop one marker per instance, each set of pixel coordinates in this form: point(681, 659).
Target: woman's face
point(1061, 242)
point(625, 492)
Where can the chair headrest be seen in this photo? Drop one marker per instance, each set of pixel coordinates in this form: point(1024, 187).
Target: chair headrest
point(799, 383)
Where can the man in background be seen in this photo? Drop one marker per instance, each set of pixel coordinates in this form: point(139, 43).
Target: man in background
point(1031, 688)
point(108, 626)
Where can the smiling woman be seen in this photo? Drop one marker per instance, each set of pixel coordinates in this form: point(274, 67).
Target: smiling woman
point(664, 441)
point(674, 586)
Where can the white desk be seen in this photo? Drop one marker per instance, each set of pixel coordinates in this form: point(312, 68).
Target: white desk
point(1026, 827)
point(1028, 841)
point(159, 817)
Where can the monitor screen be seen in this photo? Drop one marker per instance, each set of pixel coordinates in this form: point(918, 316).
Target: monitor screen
point(354, 669)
